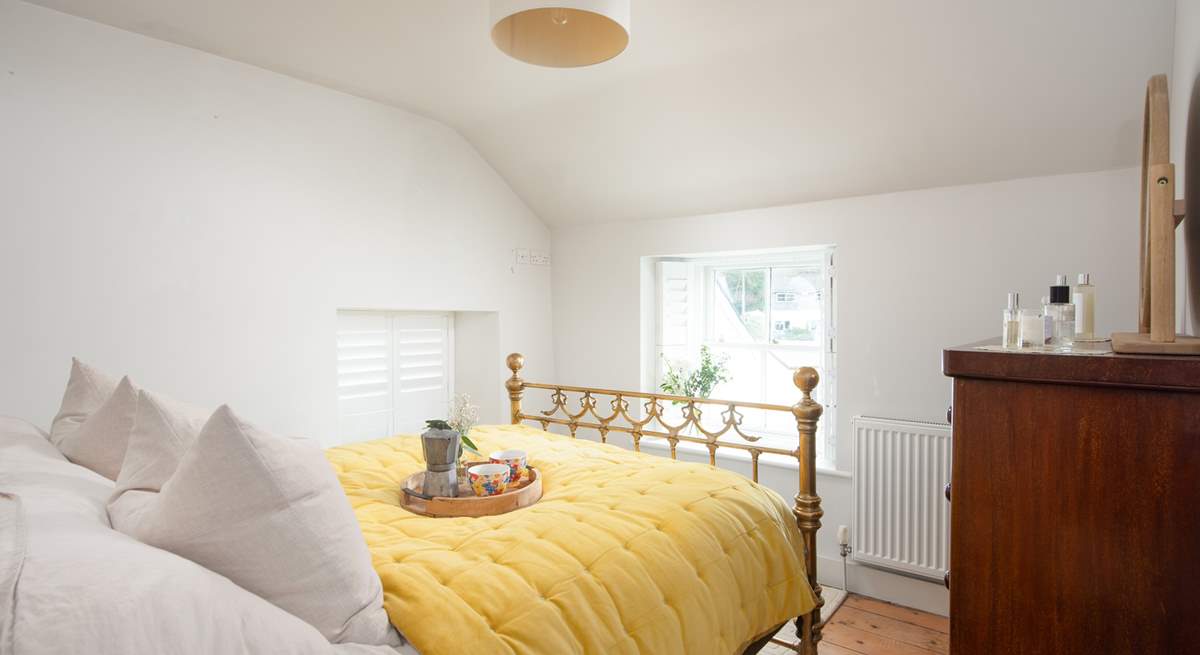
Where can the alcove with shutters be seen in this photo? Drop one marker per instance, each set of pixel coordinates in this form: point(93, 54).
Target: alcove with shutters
point(396, 369)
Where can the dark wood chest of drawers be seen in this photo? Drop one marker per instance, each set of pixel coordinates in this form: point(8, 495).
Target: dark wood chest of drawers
point(1075, 503)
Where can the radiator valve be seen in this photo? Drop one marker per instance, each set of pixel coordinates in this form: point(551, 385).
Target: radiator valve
point(844, 539)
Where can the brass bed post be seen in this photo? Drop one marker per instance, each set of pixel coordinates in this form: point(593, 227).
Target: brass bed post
point(808, 504)
point(515, 385)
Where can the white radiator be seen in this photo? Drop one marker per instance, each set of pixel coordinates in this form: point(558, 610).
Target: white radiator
point(901, 517)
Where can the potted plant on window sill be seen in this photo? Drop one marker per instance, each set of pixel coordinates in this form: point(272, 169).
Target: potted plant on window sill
point(681, 380)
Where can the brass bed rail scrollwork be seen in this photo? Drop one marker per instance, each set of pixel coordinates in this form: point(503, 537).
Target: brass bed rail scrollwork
point(609, 410)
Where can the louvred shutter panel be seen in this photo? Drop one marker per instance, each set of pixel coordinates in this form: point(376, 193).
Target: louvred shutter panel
point(364, 375)
point(393, 372)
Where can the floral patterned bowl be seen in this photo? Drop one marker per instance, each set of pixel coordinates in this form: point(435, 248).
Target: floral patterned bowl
point(514, 460)
point(489, 479)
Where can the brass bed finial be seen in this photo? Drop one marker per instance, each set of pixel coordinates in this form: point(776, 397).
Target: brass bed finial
point(592, 415)
point(806, 378)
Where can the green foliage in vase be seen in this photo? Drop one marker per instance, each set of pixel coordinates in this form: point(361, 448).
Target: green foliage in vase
point(439, 424)
point(698, 383)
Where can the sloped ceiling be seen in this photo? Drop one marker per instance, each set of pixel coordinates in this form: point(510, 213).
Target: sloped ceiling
point(720, 105)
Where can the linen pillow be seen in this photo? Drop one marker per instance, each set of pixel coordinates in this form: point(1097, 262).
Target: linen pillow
point(268, 513)
point(71, 584)
point(87, 389)
point(99, 442)
point(163, 430)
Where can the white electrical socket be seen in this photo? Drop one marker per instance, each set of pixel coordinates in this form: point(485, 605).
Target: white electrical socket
point(522, 255)
point(539, 258)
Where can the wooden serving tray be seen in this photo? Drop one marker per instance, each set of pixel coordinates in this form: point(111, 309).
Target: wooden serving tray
point(526, 493)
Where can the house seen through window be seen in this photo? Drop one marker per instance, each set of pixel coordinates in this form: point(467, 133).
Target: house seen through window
point(760, 316)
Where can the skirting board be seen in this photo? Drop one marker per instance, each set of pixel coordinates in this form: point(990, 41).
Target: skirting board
point(918, 594)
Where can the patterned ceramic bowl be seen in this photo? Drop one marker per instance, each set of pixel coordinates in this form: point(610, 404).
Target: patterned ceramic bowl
point(514, 460)
point(489, 479)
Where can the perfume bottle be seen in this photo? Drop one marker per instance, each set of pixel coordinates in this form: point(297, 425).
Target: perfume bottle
point(1061, 313)
point(1033, 328)
point(1047, 322)
point(1085, 308)
point(1012, 322)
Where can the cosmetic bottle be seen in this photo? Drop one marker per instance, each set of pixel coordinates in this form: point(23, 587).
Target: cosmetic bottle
point(1085, 308)
point(1012, 323)
point(1061, 313)
point(1033, 328)
point(1047, 322)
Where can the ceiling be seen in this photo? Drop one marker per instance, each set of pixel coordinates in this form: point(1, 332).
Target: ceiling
point(719, 105)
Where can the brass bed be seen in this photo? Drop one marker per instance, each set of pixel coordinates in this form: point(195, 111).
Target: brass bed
point(653, 424)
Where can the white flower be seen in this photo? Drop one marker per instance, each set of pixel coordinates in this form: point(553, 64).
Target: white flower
point(463, 415)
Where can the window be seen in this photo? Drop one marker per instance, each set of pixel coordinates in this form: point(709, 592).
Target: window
point(394, 371)
point(764, 315)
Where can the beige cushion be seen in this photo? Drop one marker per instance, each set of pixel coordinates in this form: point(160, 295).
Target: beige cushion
point(71, 584)
point(268, 513)
point(99, 442)
point(163, 430)
point(87, 389)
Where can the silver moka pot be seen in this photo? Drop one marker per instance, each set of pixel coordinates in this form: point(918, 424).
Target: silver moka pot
point(441, 446)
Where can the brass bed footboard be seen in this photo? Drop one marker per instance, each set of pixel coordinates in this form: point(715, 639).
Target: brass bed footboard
point(691, 429)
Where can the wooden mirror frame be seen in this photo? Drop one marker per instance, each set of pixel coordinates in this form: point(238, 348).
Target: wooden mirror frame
point(1159, 214)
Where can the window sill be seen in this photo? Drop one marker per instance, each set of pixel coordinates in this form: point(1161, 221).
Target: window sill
point(736, 455)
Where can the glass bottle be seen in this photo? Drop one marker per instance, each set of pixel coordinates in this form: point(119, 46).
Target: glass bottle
point(1085, 307)
point(1011, 337)
point(1047, 322)
point(1062, 313)
point(1033, 328)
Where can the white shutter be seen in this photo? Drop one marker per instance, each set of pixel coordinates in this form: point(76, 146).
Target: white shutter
point(827, 445)
point(364, 375)
point(394, 372)
point(680, 314)
point(423, 369)
point(674, 319)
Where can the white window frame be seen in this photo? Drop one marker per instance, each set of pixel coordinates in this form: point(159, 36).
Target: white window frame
point(703, 276)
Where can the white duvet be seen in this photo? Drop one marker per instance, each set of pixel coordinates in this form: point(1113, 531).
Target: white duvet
point(69, 583)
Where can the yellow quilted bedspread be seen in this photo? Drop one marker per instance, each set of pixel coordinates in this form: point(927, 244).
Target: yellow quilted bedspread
point(625, 553)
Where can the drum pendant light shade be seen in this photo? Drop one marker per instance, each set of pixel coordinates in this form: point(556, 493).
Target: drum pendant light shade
point(561, 33)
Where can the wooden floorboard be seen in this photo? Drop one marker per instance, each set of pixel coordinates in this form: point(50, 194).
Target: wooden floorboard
point(908, 633)
point(869, 643)
point(826, 649)
point(866, 626)
point(916, 617)
point(834, 649)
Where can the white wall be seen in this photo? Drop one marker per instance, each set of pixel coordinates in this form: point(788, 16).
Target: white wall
point(476, 350)
point(196, 223)
point(916, 272)
point(1184, 72)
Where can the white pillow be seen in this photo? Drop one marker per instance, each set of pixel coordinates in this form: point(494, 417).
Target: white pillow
point(163, 430)
point(73, 585)
point(268, 513)
point(87, 389)
point(99, 442)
